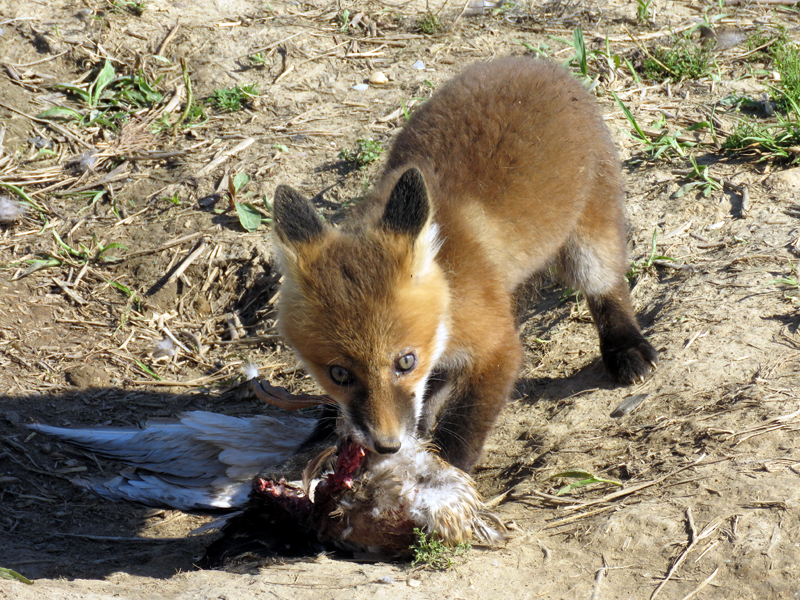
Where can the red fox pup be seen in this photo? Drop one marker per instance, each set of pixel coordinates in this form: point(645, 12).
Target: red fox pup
point(404, 314)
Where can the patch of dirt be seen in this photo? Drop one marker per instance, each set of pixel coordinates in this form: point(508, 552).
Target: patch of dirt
point(708, 461)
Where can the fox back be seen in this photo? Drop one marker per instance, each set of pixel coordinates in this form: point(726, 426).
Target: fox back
point(404, 313)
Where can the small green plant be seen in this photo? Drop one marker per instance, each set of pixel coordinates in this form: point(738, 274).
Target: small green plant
point(762, 44)
point(787, 63)
point(429, 24)
point(430, 552)
point(108, 98)
point(540, 50)
point(580, 51)
point(250, 218)
point(258, 59)
point(683, 59)
point(778, 141)
point(233, 99)
point(133, 7)
point(583, 478)
point(344, 20)
point(699, 179)
point(366, 152)
point(92, 94)
point(174, 199)
point(67, 256)
point(505, 8)
point(790, 285)
point(643, 10)
point(581, 57)
point(645, 265)
point(661, 145)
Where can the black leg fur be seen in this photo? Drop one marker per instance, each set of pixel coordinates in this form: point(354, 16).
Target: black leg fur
point(627, 356)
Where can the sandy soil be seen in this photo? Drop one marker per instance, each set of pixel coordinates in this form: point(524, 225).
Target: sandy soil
point(708, 460)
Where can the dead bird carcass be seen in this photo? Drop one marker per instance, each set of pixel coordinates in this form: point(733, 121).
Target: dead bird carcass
point(349, 499)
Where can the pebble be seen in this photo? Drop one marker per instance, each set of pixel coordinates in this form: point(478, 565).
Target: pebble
point(361, 87)
point(419, 65)
point(378, 78)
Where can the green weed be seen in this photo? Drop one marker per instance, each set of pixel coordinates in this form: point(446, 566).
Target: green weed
point(366, 152)
point(430, 552)
point(429, 24)
point(790, 285)
point(250, 218)
point(583, 478)
point(541, 50)
point(581, 57)
point(764, 44)
point(779, 141)
point(699, 179)
point(258, 59)
point(683, 59)
point(787, 63)
point(67, 256)
point(133, 7)
point(344, 20)
point(643, 10)
point(647, 264)
point(108, 98)
point(233, 99)
point(664, 145)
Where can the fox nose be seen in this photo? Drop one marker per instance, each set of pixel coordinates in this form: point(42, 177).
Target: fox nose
point(386, 445)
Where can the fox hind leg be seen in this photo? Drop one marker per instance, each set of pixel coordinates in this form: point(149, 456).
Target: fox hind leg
point(595, 263)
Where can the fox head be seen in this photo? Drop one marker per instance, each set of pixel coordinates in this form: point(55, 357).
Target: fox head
point(366, 307)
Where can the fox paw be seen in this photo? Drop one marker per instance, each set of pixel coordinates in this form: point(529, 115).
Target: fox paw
point(632, 362)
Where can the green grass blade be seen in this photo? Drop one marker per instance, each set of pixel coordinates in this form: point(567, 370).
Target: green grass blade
point(104, 78)
point(147, 369)
point(631, 119)
point(9, 574)
point(19, 192)
point(74, 89)
point(580, 50)
point(59, 112)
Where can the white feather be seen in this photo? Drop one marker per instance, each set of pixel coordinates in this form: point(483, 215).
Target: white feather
point(11, 210)
point(204, 461)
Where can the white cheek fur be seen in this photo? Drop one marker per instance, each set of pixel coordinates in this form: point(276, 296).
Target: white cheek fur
point(439, 346)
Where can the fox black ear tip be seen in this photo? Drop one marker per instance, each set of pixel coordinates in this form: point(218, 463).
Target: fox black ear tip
point(413, 173)
point(285, 194)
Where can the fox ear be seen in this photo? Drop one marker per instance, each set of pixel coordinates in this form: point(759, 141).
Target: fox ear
point(296, 221)
point(408, 208)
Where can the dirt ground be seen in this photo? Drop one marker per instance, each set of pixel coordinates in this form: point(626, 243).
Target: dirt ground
point(708, 460)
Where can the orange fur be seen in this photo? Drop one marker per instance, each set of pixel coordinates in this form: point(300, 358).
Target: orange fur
point(512, 166)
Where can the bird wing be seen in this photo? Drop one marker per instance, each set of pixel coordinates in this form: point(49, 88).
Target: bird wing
point(204, 461)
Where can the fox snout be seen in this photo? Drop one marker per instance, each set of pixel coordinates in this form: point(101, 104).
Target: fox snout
point(379, 426)
point(378, 438)
point(386, 444)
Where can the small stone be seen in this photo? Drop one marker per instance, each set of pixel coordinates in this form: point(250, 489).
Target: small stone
point(419, 66)
point(413, 583)
point(378, 78)
point(361, 87)
point(87, 377)
point(790, 178)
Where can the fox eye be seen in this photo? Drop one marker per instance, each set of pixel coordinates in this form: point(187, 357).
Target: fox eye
point(406, 363)
point(340, 375)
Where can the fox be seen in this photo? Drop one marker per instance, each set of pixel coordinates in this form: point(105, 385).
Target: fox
point(405, 312)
